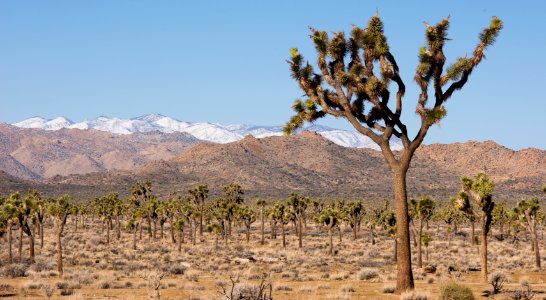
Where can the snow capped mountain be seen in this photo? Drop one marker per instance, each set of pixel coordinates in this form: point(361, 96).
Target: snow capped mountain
point(211, 132)
point(39, 122)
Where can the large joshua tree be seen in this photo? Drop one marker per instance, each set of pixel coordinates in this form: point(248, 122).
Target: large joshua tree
point(353, 83)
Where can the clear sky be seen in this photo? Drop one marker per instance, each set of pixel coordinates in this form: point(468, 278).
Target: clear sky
point(224, 61)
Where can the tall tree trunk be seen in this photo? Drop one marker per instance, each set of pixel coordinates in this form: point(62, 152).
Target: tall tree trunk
point(161, 228)
point(59, 254)
point(31, 247)
point(395, 250)
point(339, 231)
point(354, 231)
point(404, 278)
point(193, 238)
point(484, 251)
point(155, 229)
point(372, 234)
point(41, 235)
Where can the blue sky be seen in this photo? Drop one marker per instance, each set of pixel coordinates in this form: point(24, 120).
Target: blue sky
point(224, 61)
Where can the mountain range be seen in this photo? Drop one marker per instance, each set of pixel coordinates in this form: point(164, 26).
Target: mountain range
point(210, 132)
point(87, 163)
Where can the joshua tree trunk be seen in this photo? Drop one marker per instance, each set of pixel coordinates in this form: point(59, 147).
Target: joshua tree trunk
point(180, 240)
point(31, 247)
point(404, 278)
point(354, 231)
point(472, 236)
point(108, 232)
point(419, 245)
point(484, 251)
point(263, 226)
point(161, 229)
point(202, 202)
point(172, 231)
point(193, 238)
point(395, 250)
point(119, 228)
point(41, 235)
point(155, 229)
point(134, 237)
point(331, 235)
point(60, 229)
point(10, 255)
point(247, 233)
point(20, 243)
point(339, 231)
point(283, 235)
point(300, 233)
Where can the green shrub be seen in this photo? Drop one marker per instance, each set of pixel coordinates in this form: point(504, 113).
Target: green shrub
point(454, 291)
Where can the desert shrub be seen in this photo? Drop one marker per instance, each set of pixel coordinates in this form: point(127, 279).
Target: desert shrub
point(283, 288)
point(104, 285)
point(430, 280)
point(75, 286)
point(48, 290)
point(67, 292)
point(414, 295)
point(42, 265)
point(175, 270)
point(368, 274)
point(454, 291)
point(347, 289)
point(14, 270)
point(497, 280)
point(61, 285)
point(6, 287)
point(388, 289)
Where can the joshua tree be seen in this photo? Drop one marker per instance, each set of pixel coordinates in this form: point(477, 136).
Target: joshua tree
point(389, 223)
point(199, 196)
point(421, 210)
point(216, 229)
point(137, 214)
point(528, 211)
point(330, 218)
point(262, 203)
point(353, 213)
point(353, 90)
point(179, 225)
point(280, 214)
point(481, 190)
point(247, 216)
point(426, 239)
point(141, 193)
point(59, 209)
point(8, 214)
point(104, 207)
point(299, 205)
point(234, 195)
point(500, 218)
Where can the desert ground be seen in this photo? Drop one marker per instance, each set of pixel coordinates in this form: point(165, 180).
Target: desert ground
point(95, 269)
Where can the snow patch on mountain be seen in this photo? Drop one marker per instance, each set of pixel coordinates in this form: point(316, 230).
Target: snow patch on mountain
point(211, 132)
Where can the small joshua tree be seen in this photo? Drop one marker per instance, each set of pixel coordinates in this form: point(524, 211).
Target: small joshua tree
point(528, 212)
point(59, 210)
point(353, 83)
point(262, 204)
point(422, 211)
point(480, 189)
point(330, 218)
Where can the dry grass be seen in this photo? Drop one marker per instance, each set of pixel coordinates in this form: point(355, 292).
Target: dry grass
point(360, 270)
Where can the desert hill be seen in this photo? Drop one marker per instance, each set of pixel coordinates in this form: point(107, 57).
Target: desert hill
point(38, 154)
point(311, 165)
